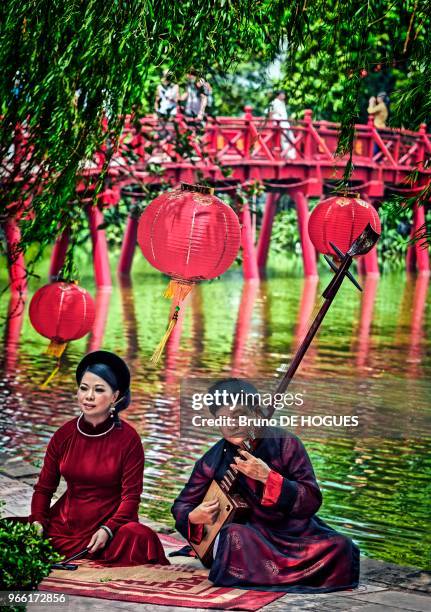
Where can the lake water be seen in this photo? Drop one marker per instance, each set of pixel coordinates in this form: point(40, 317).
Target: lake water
point(375, 482)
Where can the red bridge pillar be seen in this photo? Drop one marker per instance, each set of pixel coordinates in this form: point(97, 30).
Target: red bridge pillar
point(417, 257)
point(17, 271)
point(128, 246)
point(59, 254)
point(308, 250)
point(418, 253)
point(249, 261)
point(265, 231)
point(369, 262)
point(102, 271)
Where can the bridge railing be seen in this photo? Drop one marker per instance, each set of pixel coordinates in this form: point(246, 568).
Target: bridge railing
point(233, 140)
point(248, 139)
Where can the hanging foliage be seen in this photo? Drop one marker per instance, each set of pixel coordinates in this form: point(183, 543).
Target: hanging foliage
point(67, 66)
point(71, 70)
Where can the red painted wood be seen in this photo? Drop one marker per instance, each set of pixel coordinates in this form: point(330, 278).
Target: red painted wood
point(308, 250)
point(58, 254)
point(266, 230)
point(249, 261)
point(17, 271)
point(371, 263)
point(250, 147)
point(421, 247)
point(411, 259)
point(102, 272)
point(13, 325)
point(128, 246)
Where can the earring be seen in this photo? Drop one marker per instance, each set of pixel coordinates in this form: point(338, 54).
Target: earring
point(112, 410)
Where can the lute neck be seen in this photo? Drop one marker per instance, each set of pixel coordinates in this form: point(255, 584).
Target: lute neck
point(230, 477)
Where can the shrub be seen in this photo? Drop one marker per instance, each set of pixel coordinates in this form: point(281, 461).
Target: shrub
point(25, 557)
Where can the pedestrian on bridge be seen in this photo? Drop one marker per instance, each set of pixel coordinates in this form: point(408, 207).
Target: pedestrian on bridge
point(379, 108)
point(167, 94)
point(278, 112)
point(196, 96)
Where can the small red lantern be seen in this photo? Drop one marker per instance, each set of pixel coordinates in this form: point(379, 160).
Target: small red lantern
point(62, 311)
point(340, 219)
point(190, 235)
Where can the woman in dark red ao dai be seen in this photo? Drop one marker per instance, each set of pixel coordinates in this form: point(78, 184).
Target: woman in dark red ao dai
point(102, 460)
point(282, 544)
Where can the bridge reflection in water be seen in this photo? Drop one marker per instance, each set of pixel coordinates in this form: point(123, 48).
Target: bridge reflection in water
point(374, 483)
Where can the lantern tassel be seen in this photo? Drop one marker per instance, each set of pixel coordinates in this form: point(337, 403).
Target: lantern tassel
point(56, 349)
point(177, 290)
point(50, 377)
point(159, 349)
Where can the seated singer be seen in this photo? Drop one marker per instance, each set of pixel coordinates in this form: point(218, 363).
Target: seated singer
point(102, 460)
point(281, 541)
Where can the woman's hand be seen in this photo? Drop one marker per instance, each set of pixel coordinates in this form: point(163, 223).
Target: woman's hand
point(39, 528)
point(206, 513)
point(98, 540)
point(251, 466)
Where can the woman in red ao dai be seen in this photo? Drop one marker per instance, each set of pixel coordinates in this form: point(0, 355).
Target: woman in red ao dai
point(102, 460)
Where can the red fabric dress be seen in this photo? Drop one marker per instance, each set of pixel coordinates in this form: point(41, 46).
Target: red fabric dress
point(104, 478)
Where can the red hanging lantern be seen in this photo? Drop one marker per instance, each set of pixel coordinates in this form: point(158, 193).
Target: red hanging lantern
point(62, 311)
point(340, 219)
point(190, 235)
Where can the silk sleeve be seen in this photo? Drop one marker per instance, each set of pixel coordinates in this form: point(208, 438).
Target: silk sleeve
point(131, 487)
point(293, 488)
point(47, 483)
point(190, 497)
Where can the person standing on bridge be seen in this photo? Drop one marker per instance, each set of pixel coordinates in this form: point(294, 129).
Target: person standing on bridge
point(167, 94)
point(278, 112)
point(196, 97)
point(379, 108)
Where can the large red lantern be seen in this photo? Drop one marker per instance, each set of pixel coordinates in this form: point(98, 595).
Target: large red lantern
point(340, 219)
point(62, 311)
point(190, 235)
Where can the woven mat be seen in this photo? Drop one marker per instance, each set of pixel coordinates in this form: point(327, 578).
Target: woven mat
point(184, 583)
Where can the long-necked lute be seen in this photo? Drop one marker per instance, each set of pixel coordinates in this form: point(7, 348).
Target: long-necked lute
point(232, 505)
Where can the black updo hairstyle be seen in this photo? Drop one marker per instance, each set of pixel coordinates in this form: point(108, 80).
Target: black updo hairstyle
point(108, 375)
point(235, 386)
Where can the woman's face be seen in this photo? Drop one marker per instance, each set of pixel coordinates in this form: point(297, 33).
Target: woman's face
point(95, 395)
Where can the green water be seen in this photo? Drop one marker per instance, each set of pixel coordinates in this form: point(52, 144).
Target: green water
point(376, 485)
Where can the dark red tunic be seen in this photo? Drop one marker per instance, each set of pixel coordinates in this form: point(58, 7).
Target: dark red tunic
point(104, 478)
point(282, 543)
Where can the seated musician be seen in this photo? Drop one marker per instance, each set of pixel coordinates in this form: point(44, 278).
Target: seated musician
point(280, 542)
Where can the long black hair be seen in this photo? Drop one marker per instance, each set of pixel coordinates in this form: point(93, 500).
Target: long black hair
point(108, 375)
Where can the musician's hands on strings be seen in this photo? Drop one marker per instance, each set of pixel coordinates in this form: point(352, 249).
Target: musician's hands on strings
point(98, 540)
point(251, 466)
point(206, 513)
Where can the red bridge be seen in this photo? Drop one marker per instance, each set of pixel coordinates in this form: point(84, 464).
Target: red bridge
point(297, 159)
